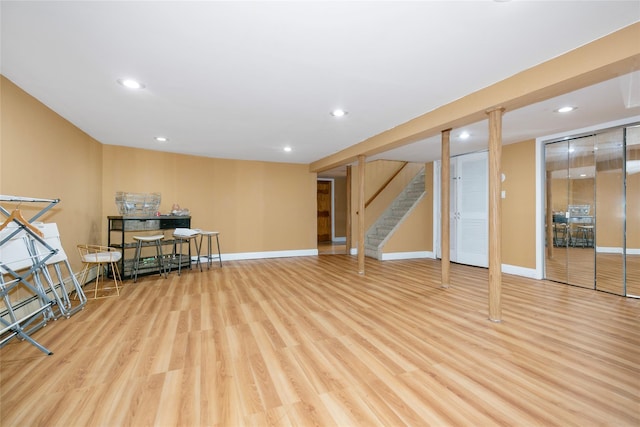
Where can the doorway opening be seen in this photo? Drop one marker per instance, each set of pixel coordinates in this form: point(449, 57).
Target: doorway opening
point(332, 215)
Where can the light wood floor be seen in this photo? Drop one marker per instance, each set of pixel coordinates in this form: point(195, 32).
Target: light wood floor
point(308, 341)
point(583, 267)
point(332, 248)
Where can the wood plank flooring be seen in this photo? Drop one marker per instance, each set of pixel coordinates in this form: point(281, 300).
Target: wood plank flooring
point(308, 341)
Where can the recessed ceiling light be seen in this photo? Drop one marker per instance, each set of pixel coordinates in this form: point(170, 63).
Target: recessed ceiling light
point(287, 149)
point(131, 84)
point(465, 135)
point(162, 139)
point(565, 109)
point(338, 113)
point(582, 175)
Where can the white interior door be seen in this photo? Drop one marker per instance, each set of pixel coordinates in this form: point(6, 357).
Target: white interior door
point(453, 210)
point(469, 209)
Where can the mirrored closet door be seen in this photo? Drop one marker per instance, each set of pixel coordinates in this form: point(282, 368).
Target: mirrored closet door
point(593, 211)
point(611, 209)
point(570, 198)
point(632, 243)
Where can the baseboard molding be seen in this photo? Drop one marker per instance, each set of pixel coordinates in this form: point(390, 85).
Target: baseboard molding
point(608, 250)
point(268, 254)
point(91, 276)
point(616, 250)
point(407, 255)
point(506, 268)
point(339, 240)
point(531, 273)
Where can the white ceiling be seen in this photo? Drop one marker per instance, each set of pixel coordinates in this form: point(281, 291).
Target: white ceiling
point(244, 79)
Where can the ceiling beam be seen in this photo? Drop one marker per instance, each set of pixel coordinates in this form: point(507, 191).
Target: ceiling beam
point(611, 56)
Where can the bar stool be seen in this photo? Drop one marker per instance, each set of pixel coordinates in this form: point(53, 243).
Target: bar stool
point(210, 256)
point(182, 236)
point(147, 241)
point(101, 257)
point(585, 235)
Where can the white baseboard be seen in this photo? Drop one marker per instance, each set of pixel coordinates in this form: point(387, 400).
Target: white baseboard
point(91, 276)
point(506, 268)
point(531, 273)
point(608, 250)
point(618, 250)
point(269, 254)
point(339, 240)
point(407, 255)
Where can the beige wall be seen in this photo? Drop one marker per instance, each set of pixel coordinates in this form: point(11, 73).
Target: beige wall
point(559, 195)
point(519, 204)
point(45, 156)
point(377, 173)
point(518, 211)
point(416, 233)
point(382, 201)
point(610, 221)
point(256, 206)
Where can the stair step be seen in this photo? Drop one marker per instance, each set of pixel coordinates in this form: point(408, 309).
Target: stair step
point(381, 229)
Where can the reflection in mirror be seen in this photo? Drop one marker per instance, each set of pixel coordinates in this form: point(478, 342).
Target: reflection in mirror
point(580, 208)
point(557, 189)
point(610, 212)
point(592, 211)
point(633, 211)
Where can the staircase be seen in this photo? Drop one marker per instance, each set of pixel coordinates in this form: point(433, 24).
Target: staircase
point(383, 228)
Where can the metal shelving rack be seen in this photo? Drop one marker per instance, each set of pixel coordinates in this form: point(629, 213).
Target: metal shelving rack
point(35, 276)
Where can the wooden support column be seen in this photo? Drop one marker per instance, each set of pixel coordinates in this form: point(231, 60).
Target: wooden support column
point(495, 217)
point(361, 216)
point(349, 211)
point(445, 206)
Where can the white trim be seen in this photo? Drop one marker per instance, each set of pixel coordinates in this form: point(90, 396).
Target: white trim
point(269, 254)
point(531, 273)
point(437, 194)
point(594, 128)
point(540, 167)
point(339, 239)
point(407, 255)
point(610, 250)
point(614, 250)
point(354, 251)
